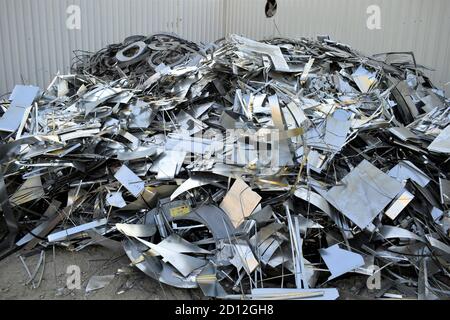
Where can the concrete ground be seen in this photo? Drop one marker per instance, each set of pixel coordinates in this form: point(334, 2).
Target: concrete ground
point(129, 284)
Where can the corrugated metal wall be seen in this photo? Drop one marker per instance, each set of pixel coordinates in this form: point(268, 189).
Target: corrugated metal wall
point(35, 43)
point(421, 26)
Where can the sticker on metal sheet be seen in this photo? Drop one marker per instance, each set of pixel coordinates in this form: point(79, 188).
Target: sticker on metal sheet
point(180, 211)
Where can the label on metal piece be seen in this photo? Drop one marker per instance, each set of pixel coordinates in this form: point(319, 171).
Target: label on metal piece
point(180, 211)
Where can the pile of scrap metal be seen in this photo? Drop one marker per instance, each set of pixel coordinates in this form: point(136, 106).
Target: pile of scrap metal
point(252, 170)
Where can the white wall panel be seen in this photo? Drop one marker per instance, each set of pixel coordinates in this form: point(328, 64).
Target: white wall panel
point(35, 43)
point(421, 26)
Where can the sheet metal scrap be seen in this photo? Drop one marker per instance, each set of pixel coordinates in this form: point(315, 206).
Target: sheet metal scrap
point(250, 170)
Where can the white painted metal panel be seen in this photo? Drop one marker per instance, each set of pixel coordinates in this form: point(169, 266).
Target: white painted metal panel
point(420, 26)
point(35, 43)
